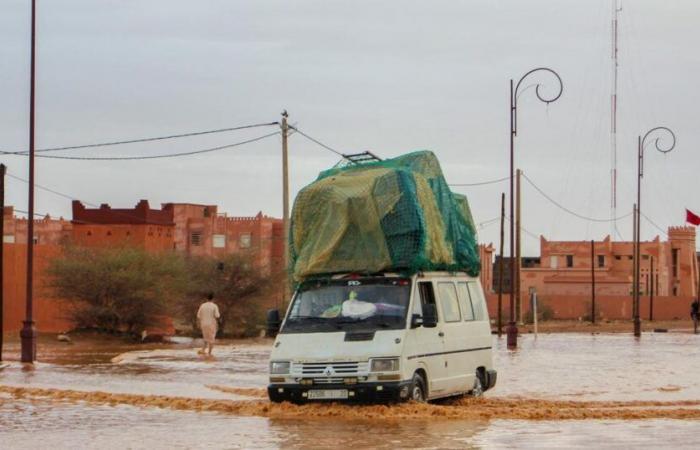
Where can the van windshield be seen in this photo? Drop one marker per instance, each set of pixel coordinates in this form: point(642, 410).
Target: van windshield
point(366, 304)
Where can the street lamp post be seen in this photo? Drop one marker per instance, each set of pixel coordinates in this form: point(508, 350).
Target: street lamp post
point(28, 332)
point(512, 329)
point(660, 132)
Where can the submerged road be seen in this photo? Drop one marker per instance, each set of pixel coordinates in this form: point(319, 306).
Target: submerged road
point(557, 390)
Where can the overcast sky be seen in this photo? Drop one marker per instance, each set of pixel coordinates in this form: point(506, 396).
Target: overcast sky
point(390, 77)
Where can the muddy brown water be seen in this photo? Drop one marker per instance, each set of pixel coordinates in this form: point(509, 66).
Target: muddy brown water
point(559, 390)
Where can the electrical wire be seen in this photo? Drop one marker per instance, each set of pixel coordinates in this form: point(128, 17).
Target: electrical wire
point(133, 141)
point(165, 155)
point(564, 208)
point(481, 183)
point(653, 224)
point(316, 141)
point(70, 197)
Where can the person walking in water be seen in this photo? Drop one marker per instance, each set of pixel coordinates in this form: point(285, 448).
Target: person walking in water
point(207, 316)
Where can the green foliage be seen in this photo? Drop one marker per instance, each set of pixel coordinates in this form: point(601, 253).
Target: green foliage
point(238, 285)
point(117, 289)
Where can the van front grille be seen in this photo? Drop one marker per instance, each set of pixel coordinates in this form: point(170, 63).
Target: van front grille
point(329, 370)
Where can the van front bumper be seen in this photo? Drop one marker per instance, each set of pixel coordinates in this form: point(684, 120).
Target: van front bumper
point(380, 392)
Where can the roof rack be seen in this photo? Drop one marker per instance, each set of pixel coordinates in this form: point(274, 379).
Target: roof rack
point(363, 157)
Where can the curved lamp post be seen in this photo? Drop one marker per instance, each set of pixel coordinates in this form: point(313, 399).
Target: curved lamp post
point(512, 330)
point(657, 136)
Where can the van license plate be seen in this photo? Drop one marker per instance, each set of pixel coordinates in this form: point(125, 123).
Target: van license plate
point(323, 394)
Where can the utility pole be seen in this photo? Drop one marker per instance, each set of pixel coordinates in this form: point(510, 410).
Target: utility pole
point(518, 256)
point(651, 290)
point(285, 202)
point(635, 276)
point(28, 332)
point(2, 252)
point(592, 281)
point(500, 268)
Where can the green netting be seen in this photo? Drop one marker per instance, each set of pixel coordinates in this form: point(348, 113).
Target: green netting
point(398, 214)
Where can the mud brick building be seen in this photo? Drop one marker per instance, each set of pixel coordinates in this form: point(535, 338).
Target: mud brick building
point(200, 230)
point(195, 230)
point(46, 230)
point(141, 226)
point(564, 267)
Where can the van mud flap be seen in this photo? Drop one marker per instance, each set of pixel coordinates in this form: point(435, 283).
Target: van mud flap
point(491, 376)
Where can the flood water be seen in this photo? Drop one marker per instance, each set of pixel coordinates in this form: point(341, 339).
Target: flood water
point(599, 368)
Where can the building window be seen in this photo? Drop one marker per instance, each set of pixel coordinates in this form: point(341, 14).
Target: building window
point(553, 262)
point(645, 256)
point(89, 233)
point(205, 213)
point(674, 264)
point(196, 238)
point(9, 238)
point(219, 241)
point(618, 257)
point(630, 257)
point(601, 260)
point(245, 240)
point(569, 260)
point(109, 233)
point(36, 239)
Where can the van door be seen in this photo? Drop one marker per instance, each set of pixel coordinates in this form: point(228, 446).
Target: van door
point(425, 346)
point(477, 332)
point(459, 373)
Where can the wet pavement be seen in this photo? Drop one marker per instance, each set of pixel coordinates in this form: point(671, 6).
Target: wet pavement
point(660, 367)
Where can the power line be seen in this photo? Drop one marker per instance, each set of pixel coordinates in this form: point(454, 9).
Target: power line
point(70, 197)
point(41, 187)
point(166, 155)
point(564, 208)
point(481, 183)
point(652, 222)
point(316, 141)
point(133, 141)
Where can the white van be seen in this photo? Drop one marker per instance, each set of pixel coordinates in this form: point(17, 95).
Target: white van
point(382, 338)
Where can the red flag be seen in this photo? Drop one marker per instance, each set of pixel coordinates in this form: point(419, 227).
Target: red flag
point(692, 218)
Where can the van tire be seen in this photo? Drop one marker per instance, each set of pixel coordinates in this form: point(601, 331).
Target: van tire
point(417, 392)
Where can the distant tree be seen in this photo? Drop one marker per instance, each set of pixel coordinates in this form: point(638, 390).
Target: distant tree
point(117, 289)
point(238, 285)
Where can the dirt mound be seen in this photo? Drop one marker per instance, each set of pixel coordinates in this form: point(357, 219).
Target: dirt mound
point(467, 408)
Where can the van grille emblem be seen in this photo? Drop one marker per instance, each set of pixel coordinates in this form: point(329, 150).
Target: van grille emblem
point(329, 372)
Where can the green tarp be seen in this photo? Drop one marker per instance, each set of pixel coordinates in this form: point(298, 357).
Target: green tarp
point(393, 215)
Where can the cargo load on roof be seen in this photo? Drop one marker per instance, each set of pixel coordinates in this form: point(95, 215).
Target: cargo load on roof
point(393, 215)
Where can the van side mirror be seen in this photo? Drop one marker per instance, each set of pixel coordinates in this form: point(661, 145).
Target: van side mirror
point(273, 322)
point(430, 315)
point(416, 320)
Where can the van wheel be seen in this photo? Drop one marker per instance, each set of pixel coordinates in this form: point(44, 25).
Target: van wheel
point(478, 389)
point(418, 389)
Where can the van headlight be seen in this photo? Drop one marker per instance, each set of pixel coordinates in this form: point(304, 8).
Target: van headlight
point(384, 365)
point(279, 367)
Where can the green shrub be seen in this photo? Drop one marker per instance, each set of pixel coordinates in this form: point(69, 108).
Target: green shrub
point(117, 289)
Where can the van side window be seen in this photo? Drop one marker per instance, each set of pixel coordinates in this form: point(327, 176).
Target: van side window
point(465, 301)
point(477, 301)
point(425, 296)
point(449, 301)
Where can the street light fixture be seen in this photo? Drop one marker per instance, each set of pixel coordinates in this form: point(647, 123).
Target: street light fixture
point(512, 329)
point(660, 132)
